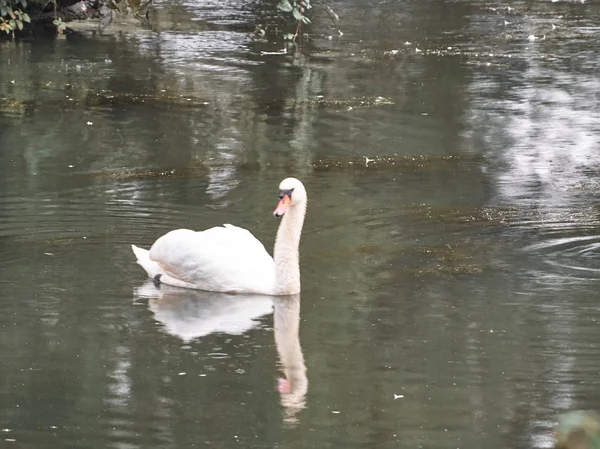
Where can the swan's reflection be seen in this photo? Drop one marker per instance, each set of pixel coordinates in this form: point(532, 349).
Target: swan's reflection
point(190, 314)
point(294, 385)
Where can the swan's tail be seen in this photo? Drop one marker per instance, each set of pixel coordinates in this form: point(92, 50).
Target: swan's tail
point(143, 258)
point(156, 273)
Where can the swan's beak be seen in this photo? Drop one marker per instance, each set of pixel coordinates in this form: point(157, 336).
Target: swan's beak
point(282, 206)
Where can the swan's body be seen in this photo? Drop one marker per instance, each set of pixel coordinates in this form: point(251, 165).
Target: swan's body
point(230, 259)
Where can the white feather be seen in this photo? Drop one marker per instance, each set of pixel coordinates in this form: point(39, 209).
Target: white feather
point(221, 259)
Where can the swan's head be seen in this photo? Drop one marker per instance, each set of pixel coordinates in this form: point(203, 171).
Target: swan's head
point(291, 193)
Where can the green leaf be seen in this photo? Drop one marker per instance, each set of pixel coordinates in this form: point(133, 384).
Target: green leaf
point(305, 19)
point(12, 24)
point(26, 18)
point(19, 24)
point(285, 6)
point(3, 11)
point(62, 26)
point(56, 22)
point(24, 3)
point(296, 14)
point(288, 36)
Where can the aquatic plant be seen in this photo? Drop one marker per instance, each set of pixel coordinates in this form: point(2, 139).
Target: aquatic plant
point(298, 9)
point(12, 16)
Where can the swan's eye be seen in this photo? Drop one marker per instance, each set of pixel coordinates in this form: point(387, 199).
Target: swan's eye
point(287, 192)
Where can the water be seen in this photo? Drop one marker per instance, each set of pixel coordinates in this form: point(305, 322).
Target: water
point(449, 258)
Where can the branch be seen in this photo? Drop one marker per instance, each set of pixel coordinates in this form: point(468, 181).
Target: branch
point(333, 16)
point(299, 27)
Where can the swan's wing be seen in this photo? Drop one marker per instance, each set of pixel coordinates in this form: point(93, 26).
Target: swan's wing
point(224, 258)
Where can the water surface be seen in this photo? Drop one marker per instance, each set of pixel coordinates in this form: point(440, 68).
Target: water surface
point(449, 258)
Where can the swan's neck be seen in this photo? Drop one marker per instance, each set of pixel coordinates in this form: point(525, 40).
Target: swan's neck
point(285, 254)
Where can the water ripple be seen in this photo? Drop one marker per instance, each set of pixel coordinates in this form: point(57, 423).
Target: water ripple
point(576, 257)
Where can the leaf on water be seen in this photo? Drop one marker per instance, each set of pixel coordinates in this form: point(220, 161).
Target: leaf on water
point(285, 6)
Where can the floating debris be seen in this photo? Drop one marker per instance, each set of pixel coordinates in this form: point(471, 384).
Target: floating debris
point(279, 52)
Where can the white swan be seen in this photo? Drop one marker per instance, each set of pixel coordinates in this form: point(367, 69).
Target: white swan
point(230, 259)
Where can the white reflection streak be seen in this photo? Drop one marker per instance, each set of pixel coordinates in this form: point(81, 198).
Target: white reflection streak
point(220, 181)
point(120, 387)
point(305, 115)
point(223, 178)
point(552, 128)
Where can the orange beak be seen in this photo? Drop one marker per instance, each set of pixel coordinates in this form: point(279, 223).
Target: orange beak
point(283, 204)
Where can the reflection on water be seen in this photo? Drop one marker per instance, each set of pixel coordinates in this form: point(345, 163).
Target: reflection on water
point(190, 314)
point(294, 385)
point(449, 261)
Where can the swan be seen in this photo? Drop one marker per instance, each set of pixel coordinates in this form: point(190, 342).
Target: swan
point(230, 259)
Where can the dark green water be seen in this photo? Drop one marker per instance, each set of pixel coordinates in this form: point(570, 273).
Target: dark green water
point(449, 286)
